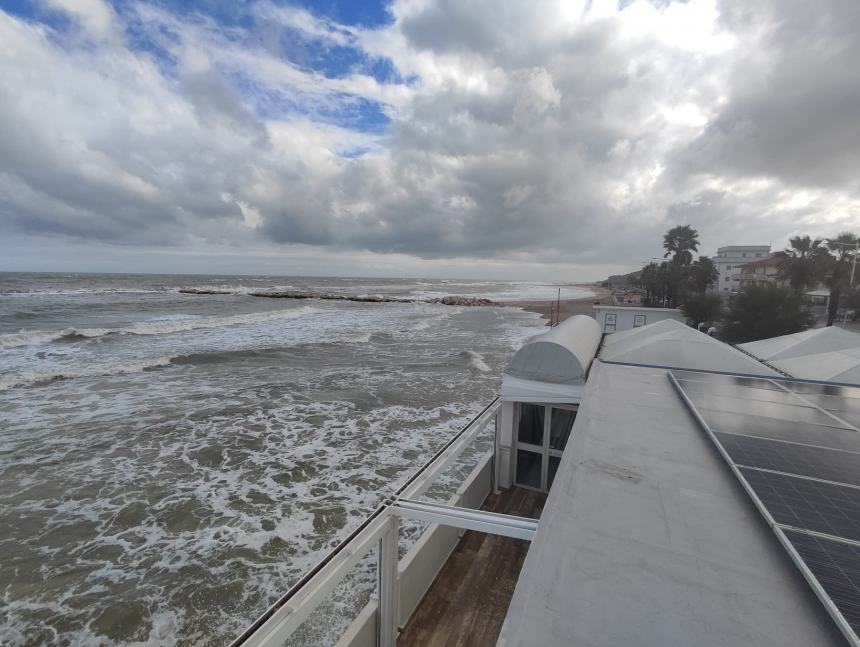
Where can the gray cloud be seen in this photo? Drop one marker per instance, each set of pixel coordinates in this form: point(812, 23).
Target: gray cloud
point(534, 131)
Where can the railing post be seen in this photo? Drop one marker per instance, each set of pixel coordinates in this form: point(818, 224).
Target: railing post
point(386, 619)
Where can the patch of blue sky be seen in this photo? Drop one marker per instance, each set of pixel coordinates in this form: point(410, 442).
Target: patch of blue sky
point(368, 14)
point(338, 108)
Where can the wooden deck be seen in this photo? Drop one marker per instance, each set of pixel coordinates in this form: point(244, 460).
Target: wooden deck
point(468, 601)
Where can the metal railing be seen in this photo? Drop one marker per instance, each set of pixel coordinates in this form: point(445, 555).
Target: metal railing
point(380, 530)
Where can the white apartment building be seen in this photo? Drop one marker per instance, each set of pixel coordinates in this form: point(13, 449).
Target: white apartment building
point(729, 261)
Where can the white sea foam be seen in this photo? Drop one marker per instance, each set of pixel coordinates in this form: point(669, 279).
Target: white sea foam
point(477, 361)
point(161, 326)
point(35, 377)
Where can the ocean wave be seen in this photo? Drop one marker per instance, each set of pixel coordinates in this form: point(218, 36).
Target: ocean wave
point(36, 377)
point(476, 360)
point(80, 291)
point(233, 289)
point(155, 327)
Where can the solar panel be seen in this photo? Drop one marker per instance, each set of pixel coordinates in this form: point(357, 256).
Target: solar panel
point(778, 429)
point(811, 505)
point(836, 567)
point(804, 460)
point(801, 464)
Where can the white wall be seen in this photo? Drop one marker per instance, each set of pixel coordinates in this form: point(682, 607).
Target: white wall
point(628, 318)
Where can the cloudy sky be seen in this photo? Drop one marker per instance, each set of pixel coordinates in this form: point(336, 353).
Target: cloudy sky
point(536, 139)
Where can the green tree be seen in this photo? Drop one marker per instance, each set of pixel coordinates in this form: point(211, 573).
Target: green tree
point(654, 281)
point(680, 242)
point(804, 264)
point(759, 312)
point(699, 307)
point(844, 246)
point(702, 274)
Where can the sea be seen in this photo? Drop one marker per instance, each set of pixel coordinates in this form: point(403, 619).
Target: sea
point(171, 463)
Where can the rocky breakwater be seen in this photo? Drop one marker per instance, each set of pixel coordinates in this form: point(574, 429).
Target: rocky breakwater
point(454, 300)
point(372, 298)
point(202, 291)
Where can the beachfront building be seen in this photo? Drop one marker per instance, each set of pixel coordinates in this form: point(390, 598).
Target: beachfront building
point(614, 319)
point(696, 496)
point(762, 272)
point(729, 261)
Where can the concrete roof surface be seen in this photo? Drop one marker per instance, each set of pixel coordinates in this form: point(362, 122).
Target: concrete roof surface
point(648, 539)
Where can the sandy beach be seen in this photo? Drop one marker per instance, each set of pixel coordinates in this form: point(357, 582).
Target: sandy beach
point(569, 307)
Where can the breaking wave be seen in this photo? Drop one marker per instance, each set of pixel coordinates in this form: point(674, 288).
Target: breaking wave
point(156, 327)
point(36, 377)
point(476, 360)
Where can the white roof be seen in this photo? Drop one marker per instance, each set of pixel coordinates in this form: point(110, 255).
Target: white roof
point(646, 539)
point(808, 342)
point(672, 343)
point(559, 356)
point(831, 354)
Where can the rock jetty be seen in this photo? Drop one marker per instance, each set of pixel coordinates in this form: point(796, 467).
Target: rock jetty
point(454, 300)
point(450, 300)
point(329, 297)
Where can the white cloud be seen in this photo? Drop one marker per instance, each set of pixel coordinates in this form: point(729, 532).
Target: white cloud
point(546, 130)
point(95, 16)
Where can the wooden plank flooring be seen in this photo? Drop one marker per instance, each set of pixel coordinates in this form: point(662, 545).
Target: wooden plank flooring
point(467, 603)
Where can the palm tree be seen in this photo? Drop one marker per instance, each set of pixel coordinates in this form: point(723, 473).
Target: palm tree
point(680, 242)
point(844, 246)
point(804, 263)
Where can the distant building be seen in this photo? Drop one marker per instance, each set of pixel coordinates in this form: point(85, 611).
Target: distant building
point(618, 318)
point(761, 272)
point(729, 260)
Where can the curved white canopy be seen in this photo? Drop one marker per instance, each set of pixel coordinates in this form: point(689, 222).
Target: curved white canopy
point(561, 355)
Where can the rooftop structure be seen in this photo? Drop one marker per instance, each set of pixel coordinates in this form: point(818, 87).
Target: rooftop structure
point(552, 367)
point(673, 344)
point(613, 319)
point(647, 539)
point(831, 354)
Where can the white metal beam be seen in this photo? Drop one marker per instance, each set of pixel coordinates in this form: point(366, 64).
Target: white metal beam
point(386, 620)
point(479, 520)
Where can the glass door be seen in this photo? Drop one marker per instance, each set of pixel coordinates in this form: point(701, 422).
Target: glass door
point(542, 434)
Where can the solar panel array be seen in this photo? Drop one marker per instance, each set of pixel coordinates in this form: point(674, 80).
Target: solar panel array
point(795, 447)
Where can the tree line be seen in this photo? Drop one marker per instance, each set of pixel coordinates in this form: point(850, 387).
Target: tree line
point(757, 311)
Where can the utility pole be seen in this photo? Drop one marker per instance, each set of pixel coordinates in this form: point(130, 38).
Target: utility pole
point(851, 280)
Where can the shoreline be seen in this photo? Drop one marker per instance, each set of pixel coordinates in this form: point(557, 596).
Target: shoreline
point(568, 307)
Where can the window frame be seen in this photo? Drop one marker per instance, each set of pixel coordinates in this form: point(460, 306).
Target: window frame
point(544, 450)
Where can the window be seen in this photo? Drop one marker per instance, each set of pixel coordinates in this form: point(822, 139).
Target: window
point(728, 278)
point(744, 255)
point(535, 464)
point(638, 321)
point(757, 255)
point(609, 322)
point(530, 430)
point(561, 422)
point(728, 267)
